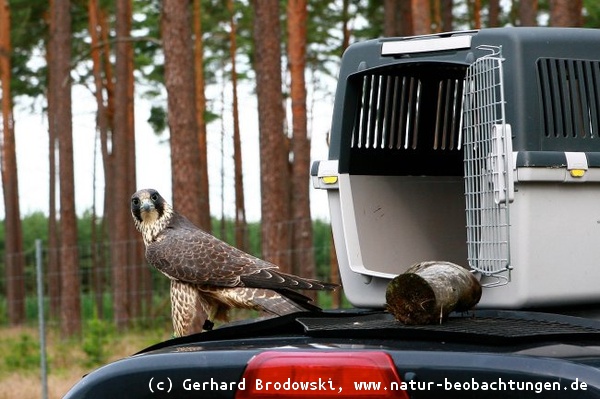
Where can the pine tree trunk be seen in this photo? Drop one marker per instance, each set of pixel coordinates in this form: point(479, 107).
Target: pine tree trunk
point(106, 143)
point(53, 234)
point(421, 17)
point(304, 259)
point(273, 151)
point(345, 24)
point(528, 12)
point(205, 221)
point(447, 17)
point(135, 250)
point(406, 18)
point(390, 25)
point(14, 257)
point(122, 223)
point(60, 85)
point(494, 14)
point(476, 14)
point(437, 16)
point(568, 13)
point(400, 17)
point(102, 125)
point(180, 83)
point(240, 207)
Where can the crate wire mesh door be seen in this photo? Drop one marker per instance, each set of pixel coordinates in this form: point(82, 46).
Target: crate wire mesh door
point(488, 163)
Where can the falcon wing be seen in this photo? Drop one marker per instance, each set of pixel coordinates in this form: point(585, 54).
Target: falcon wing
point(186, 253)
point(196, 257)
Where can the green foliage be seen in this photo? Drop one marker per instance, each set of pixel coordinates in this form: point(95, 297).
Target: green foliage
point(324, 301)
point(372, 12)
point(28, 30)
point(3, 311)
point(148, 57)
point(322, 247)
point(158, 119)
point(24, 355)
point(98, 333)
point(324, 48)
point(592, 13)
point(35, 225)
point(225, 230)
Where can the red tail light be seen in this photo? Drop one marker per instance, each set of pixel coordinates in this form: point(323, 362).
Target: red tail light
point(277, 374)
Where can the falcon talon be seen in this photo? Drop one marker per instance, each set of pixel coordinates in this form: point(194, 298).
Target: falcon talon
point(208, 276)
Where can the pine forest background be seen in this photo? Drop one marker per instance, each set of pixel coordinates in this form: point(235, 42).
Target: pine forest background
point(175, 52)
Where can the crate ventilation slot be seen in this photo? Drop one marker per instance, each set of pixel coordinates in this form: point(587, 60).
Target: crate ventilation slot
point(570, 97)
point(487, 161)
point(395, 111)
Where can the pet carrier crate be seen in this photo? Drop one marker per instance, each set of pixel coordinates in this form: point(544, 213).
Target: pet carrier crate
point(481, 148)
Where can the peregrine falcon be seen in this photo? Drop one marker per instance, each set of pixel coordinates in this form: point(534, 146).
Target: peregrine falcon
point(208, 276)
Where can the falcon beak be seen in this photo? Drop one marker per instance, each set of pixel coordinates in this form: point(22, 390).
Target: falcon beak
point(147, 206)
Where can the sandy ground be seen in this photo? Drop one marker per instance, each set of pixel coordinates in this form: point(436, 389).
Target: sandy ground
point(28, 386)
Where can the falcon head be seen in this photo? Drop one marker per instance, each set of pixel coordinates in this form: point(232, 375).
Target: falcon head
point(151, 213)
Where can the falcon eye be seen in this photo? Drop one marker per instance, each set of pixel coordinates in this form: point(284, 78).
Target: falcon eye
point(154, 197)
point(135, 202)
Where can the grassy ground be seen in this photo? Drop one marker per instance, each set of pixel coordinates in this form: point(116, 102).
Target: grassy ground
point(68, 360)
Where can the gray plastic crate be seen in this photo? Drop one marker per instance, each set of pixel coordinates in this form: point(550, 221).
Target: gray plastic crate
point(478, 147)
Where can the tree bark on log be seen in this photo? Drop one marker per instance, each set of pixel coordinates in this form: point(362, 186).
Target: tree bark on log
point(429, 291)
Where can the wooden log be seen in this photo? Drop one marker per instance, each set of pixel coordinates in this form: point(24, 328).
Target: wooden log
point(428, 291)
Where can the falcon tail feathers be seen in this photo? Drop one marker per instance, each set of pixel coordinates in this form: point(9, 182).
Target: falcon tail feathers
point(304, 302)
point(274, 279)
point(277, 302)
point(283, 302)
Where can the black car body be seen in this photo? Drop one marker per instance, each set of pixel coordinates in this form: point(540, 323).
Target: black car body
point(482, 354)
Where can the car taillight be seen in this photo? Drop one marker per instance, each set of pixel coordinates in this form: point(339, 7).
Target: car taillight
point(324, 374)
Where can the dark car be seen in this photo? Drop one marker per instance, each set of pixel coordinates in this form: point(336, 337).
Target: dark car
point(483, 354)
